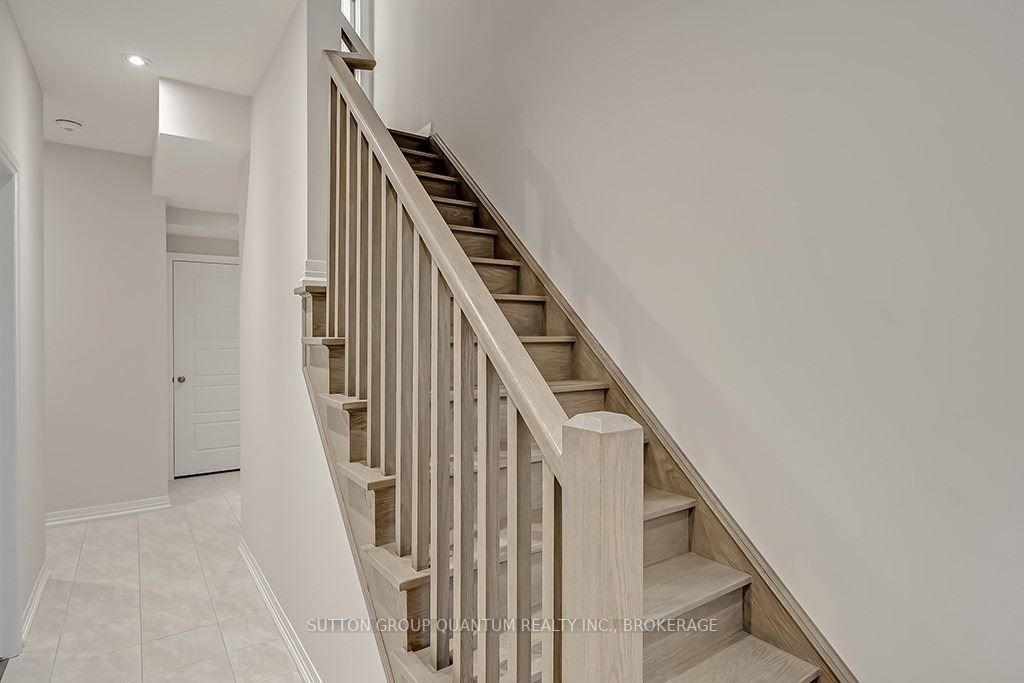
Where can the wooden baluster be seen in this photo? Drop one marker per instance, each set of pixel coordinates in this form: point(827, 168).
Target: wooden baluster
point(551, 577)
point(487, 516)
point(464, 449)
point(602, 512)
point(518, 555)
point(375, 257)
point(336, 232)
point(421, 406)
point(363, 299)
point(351, 256)
point(440, 469)
point(388, 331)
point(404, 389)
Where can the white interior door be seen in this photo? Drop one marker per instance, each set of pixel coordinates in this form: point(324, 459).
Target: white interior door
point(206, 405)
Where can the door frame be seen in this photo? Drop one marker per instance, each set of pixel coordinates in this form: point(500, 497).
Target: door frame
point(10, 619)
point(172, 258)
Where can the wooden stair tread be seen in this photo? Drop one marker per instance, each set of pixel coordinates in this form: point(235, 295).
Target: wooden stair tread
point(417, 153)
point(658, 503)
point(418, 667)
point(440, 177)
point(472, 229)
point(564, 386)
point(344, 402)
point(544, 339)
point(480, 260)
point(323, 341)
point(683, 583)
point(526, 298)
point(749, 660)
point(399, 573)
point(365, 477)
point(396, 570)
point(452, 200)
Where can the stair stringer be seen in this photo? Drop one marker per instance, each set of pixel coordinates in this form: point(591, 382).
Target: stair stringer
point(314, 304)
point(772, 612)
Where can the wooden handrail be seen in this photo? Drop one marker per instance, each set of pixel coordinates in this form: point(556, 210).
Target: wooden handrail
point(520, 376)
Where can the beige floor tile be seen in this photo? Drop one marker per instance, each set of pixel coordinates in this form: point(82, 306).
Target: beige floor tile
point(237, 602)
point(292, 677)
point(63, 544)
point(183, 649)
point(261, 661)
point(31, 666)
point(175, 609)
point(257, 627)
point(99, 620)
point(122, 666)
point(216, 670)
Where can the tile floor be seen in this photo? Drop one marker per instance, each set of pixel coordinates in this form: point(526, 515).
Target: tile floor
point(160, 596)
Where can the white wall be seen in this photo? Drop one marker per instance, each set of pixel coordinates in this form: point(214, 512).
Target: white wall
point(106, 330)
point(210, 246)
point(290, 516)
point(796, 227)
point(21, 135)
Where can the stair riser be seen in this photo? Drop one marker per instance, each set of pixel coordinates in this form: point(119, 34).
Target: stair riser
point(499, 279)
point(536, 489)
point(328, 365)
point(527, 318)
point(669, 654)
point(553, 359)
point(475, 245)
point(429, 165)
point(371, 513)
point(457, 215)
point(346, 433)
point(666, 537)
point(407, 141)
point(573, 402)
point(440, 188)
point(413, 604)
point(314, 315)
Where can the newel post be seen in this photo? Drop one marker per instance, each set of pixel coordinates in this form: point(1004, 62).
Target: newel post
point(602, 546)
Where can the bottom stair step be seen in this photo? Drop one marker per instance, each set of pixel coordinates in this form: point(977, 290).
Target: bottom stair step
point(749, 660)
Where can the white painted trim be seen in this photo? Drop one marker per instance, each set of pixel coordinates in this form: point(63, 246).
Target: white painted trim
point(172, 257)
point(87, 514)
point(201, 258)
point(316, 270)
point(34, 598)
point(291, 640)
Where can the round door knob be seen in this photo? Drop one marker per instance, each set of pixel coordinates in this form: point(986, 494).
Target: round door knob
point(181, 379)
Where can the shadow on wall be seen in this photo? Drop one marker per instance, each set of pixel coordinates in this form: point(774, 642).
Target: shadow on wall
point(569, 246)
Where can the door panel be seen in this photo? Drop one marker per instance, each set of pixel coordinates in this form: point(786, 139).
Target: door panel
point(206, 403)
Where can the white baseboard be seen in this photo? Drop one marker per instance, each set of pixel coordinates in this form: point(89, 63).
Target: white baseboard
point(87, 514)
point(291, 639)
point(29, 615)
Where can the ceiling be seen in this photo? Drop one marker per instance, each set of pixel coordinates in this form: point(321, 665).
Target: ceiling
point(76, 47)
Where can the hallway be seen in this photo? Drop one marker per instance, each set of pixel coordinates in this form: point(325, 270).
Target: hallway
point(160, 596)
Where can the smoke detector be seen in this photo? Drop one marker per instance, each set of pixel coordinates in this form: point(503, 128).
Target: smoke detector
point(69, 125)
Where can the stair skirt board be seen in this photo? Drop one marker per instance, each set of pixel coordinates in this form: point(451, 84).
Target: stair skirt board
point(303, 664)
point(88, 514)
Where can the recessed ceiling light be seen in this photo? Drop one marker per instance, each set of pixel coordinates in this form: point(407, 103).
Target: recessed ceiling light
point(136, 60)
point(69, 125)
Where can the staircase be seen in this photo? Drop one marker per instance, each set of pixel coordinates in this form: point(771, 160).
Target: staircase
point(539, 486)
